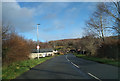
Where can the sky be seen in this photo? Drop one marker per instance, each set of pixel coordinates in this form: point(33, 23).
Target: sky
point(58, 20)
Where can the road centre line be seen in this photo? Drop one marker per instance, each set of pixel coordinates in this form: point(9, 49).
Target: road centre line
point(94, 76)
point(72, 62)
point(75, 65)
point(88, 73)
point(67, 58)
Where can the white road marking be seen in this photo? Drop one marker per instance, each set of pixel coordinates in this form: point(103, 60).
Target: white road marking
point(67, 58)
point(88, 73)
point(94, 76)
point(72, 62)
point(75, 65)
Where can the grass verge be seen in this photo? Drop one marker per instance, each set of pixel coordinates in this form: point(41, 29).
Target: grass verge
point(100, 60)
point(17, 68)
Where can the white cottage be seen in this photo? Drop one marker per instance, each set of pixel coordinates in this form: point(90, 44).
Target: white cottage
point(42, 53)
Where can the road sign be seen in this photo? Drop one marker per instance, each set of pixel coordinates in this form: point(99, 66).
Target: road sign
point(38, 47)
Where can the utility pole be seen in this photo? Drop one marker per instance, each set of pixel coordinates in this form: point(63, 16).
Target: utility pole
point(38, 47)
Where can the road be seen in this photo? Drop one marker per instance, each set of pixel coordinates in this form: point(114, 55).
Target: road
point(70, 67)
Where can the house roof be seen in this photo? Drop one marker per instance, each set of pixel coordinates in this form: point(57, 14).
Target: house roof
point(42, 50)
point(46, 50)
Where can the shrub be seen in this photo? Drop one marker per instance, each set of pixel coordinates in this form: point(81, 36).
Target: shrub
point(15, 49)
point(109, 49)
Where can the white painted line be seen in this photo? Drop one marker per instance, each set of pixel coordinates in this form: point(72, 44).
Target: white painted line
point(94, 76)
point(66, 57)
point(75, 65)
point(72, 62)
point(88, 73)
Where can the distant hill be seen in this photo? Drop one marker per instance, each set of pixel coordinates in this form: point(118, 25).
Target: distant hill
point(76, 39)
point(66, 40)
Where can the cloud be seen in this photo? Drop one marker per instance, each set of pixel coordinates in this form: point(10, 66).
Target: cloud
point(21, 18)
point(56, 19)
point(49, 16)
point(50, 8)
point(57, 25)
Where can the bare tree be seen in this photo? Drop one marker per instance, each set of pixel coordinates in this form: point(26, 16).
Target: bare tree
point(105, 19)
point(5, 30)
point(113, 11)
point(96, 25)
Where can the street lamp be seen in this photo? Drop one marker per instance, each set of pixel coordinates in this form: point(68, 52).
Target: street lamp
point(37, 35)
point(38, 47)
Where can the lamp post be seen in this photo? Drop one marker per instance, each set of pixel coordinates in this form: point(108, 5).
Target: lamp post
point(38, 47)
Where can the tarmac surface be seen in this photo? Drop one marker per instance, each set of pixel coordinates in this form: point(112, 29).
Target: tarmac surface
point(70, 67)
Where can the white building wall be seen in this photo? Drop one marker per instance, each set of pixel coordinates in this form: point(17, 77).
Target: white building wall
point(36, 55)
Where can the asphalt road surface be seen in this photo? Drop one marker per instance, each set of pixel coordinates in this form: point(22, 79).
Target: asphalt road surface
point(70, 67)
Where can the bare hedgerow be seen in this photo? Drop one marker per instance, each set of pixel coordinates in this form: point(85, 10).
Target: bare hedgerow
point(15, 49)
point(109, 49)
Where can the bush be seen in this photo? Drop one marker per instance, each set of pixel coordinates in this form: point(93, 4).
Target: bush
point(15, 49)
point(109, 49)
